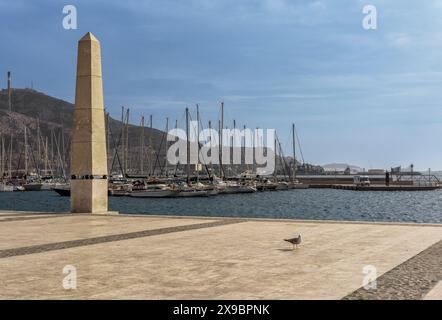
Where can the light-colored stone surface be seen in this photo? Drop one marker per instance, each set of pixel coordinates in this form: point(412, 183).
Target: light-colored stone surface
point(435, 293)
point(247, 260)
point(89, 155)
point(57, 229)
point(89, 196)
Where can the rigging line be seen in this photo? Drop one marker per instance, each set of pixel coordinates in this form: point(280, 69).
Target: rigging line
point(166, 133)
point(199, 147)
point(287, 142)
point(19, 161)
point(278, 144)
point(33, 159)
point(206, 139)
point(116, 146)
point(157, 157)
point(178, 163)
point(59, 157)
point(299, 144)
point(116, 156)
point(282, 157)
point(43, 142)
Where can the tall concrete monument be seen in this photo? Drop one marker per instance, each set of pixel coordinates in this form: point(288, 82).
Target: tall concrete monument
point(88, 154)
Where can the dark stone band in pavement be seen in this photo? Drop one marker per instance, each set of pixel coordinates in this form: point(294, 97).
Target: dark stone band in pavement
point(20, 214)
point(411, 280)
point(33, 217)
point(116, 237)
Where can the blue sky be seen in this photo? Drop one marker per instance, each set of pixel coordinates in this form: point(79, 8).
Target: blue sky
point(367, 97)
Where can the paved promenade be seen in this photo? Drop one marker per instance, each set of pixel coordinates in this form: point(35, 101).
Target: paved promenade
point(159, 257)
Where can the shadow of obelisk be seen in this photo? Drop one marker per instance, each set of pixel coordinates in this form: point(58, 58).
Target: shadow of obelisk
point(89, 184)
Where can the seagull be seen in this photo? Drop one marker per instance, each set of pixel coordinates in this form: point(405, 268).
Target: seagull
point(295, 241)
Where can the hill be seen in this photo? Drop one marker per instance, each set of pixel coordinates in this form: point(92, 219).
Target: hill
point(340, 167)
point(51, 119)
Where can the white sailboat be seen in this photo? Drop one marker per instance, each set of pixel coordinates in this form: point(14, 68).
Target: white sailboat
point(155, 191)
point(6, 188)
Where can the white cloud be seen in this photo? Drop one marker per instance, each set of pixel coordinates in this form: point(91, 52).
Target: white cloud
point(399, 40)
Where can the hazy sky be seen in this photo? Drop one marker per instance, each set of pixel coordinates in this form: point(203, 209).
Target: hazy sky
point(367, 97)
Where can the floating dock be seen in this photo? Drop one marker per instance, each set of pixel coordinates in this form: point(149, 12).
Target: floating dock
point(376, 187)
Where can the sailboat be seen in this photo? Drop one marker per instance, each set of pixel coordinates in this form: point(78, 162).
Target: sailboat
point(186, 191)
point(155, 191)
point(294, 183)
point(5, 187)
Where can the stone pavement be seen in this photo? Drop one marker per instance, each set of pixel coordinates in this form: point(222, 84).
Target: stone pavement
point(435, 293)
point(161, 257)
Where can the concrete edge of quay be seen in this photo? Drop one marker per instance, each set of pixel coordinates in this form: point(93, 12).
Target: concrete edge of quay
point(147, 215)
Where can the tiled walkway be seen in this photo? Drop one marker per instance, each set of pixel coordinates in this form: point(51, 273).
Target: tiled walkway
point(154, 257)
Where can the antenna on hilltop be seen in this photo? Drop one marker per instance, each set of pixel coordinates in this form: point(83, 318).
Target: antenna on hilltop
point(9, 91)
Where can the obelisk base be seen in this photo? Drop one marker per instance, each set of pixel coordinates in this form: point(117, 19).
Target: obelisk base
point(89, 196)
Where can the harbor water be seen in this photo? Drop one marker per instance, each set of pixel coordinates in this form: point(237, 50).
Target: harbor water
point(314, 204)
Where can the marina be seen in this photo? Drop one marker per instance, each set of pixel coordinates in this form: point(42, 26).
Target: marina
point(175, 169)
point(305, 204)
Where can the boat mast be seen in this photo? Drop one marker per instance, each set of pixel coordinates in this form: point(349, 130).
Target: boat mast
point(166, 168)
point(2, 166)
point(244, 149)
point(10, 157)
point(176, 166)
point(26, 151)
point(52, 152)
point(275, 170)
point(187, 146)
point(127, 166)
point(122, 141)
point(294, 152)
point(38, 144)
point(46, 156)
point(108, 150)
point(152, 150)
point(256, 143)
point(142, 146)
point(63, 153)
point(197, 142)
point(221, 125)
point(232, 147)
point(211, 154)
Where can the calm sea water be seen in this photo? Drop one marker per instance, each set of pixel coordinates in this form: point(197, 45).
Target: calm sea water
point(327, 204)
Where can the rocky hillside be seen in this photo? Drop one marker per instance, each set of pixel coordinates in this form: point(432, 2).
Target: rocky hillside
point(36, 111)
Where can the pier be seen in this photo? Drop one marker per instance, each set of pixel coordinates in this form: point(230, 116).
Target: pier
point(159, 257)
point(376, 187)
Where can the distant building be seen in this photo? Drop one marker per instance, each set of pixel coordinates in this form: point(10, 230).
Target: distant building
point(376, 171)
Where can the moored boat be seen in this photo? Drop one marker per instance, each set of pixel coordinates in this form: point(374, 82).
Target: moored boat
point(192, 193)
point(64, 191)
point(33, 186)
point(18, 188)
point(6, 188)
point(154, 191)
point(47, 185)
point(282, 186)
point(298, 186)
point(232, 189)
point(120, 189)
point(266, 186)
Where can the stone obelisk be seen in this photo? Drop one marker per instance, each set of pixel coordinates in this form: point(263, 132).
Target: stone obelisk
point(88, 155)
